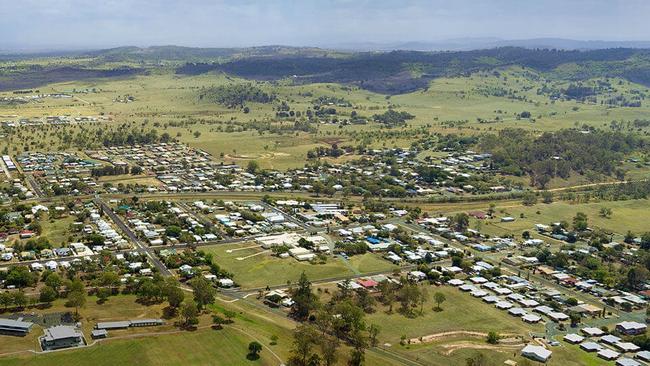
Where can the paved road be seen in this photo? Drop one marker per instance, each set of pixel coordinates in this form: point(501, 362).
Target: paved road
point(36, 188)
point(140, 246)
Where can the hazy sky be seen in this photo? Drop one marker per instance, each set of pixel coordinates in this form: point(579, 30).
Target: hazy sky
point(55, 24)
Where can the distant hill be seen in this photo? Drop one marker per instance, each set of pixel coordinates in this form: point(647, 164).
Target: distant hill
point(392, 72)
point(178, 53)
point(469, 44)
point(404, 71)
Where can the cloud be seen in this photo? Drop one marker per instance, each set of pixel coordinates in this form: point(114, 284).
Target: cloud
point(225, 23)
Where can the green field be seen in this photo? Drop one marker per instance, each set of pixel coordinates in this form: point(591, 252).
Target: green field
point(630, 215)
point(461, 312)
point(170, 103)
point(202, 347)
point(264, 269)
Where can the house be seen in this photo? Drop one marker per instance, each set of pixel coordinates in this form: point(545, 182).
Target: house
point(517, 311)
point(557, 316)
point(368, 284)
point(455, 282)
point(624, 361)
point(573, 338)
point(503, 305)
point(610, 339)
point(608, 354)
point(643, 355)
point(531, 318)
point(123, 324)
point(592, 331)
point(590, 346)
point(631, 328)
point(226, 282)
point(627, 347)
point(99, 333)
point(417, 276)
point(15, 327)
point(61, 336)
point(537, 353)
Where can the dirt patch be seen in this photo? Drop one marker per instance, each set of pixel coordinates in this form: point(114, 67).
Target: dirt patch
point(437, 336)
point(331, 140)
point(269, 155)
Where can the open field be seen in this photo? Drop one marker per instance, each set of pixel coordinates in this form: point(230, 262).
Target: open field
point(225, 347)
point(460, 312)
point(630, 215)
point(259, 268)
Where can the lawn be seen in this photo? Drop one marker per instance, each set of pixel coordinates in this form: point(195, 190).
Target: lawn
point(202, 347)
point(57, 231)
point(264, 269)
point(370, 262)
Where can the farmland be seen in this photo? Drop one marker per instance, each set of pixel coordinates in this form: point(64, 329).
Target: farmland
point(405, 208)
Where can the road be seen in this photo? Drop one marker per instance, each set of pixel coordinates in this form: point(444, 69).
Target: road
point(5, 169)
point(36, 188)
point(141, 247)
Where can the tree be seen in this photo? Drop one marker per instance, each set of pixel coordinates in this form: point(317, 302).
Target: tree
point(53, 280)
point(424, 296)
point(461, 221)
point(493, 337)
point(304, 299)
point(47, 295)
point(636, 276)
point(252, 167)
point(605, 212)
point(645, 240)
point(103, 294)
point(387, 294)
point(203, 291)
point(304, 339)
point(529, 198)
point(439, 298)
point(175, 296)
point(580, 221)
point(6, 299)
point(575, 318)
point(190, 314)
point(20, 276)
point(254, 349)
point(373, 332)
point(329, 348)
point(409, 295)
point(478, 360)
point(20, 299)
point(76, 295)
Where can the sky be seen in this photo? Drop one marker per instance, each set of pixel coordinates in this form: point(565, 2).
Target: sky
point(92, 24)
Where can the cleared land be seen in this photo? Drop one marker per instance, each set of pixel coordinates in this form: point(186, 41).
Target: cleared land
point(255, 267)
